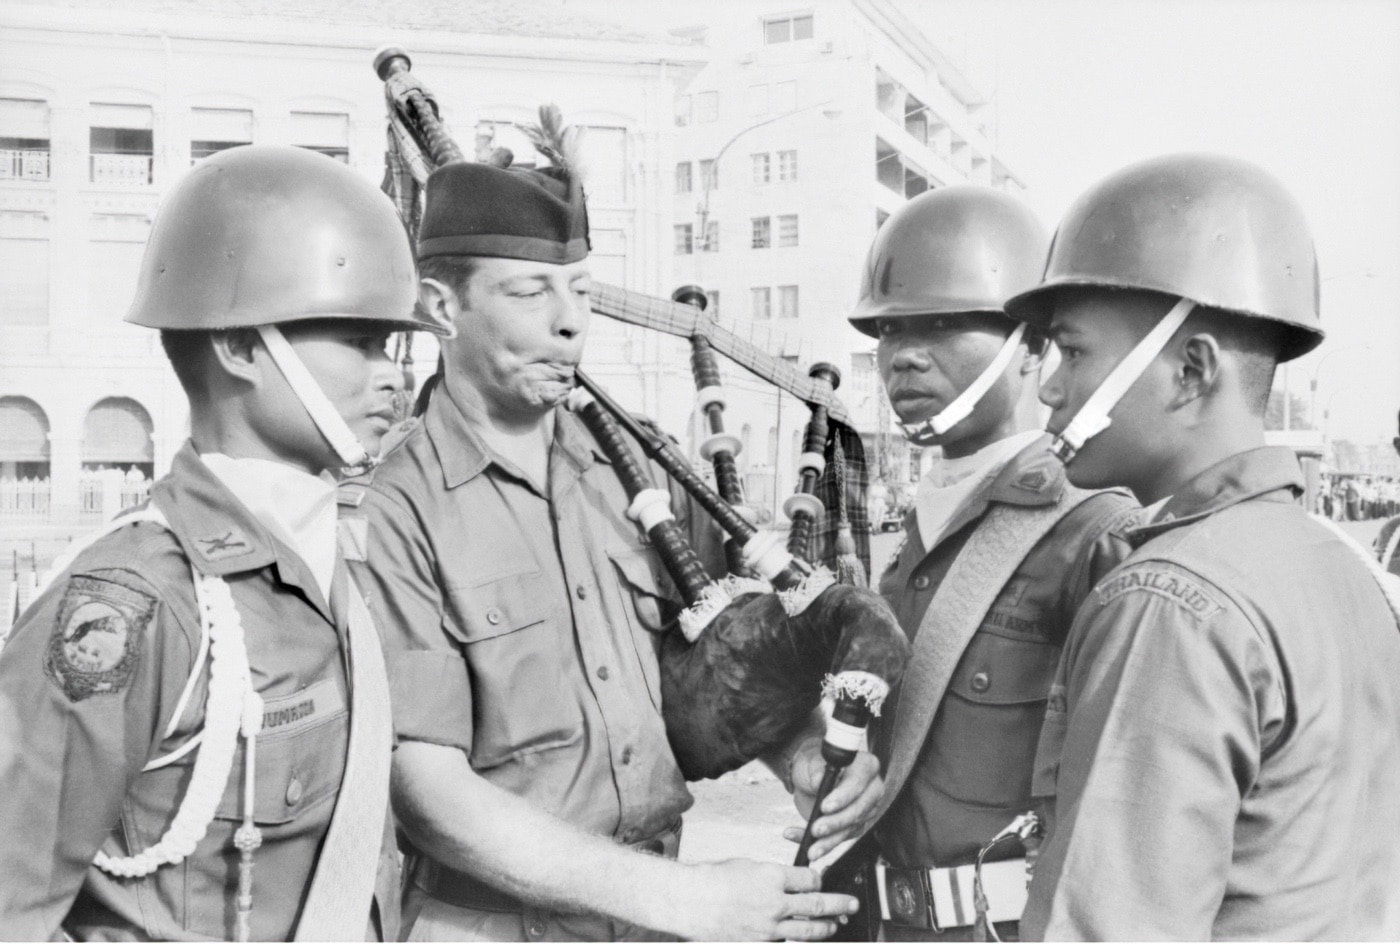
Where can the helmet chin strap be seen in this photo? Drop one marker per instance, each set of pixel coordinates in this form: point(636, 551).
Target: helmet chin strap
point(328, 420)
point(926, 432)
point(1093, 417)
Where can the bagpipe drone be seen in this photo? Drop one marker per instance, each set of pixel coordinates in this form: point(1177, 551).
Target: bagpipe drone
point(755, 652)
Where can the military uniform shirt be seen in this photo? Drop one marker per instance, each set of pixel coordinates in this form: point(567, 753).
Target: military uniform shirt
point(973, 774)
point(523, 627)
point(89, 682)
point(1224, 740)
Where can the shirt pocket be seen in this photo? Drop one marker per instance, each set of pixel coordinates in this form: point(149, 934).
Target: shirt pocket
point(519, 651)
point(294, 773)
point(649, 606)
point(989, 723)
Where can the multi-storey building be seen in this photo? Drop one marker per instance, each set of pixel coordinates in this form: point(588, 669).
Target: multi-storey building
point(104, 102)
point(807, 128)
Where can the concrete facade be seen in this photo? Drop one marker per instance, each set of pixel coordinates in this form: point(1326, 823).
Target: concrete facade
point(73, 220)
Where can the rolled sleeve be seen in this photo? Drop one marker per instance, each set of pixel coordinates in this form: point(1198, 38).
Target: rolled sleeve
point(429, 683)
point(1167, 686)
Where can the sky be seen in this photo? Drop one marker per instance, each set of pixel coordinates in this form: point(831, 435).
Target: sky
point(1308, 89)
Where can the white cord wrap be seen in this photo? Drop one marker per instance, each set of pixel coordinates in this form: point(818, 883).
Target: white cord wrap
point(925, 432)
point(765, 554)
point(318, 406)
point(708, 395)
point(651, 507)
point(1093, 417)
point(846, 737)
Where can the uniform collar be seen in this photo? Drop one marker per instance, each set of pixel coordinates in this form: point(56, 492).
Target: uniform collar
point(218, 534)
point(1254, 473)
point(464, 455)
point(1032, 477)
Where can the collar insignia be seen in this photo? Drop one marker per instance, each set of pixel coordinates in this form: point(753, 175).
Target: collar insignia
point(219, 547)
point(1032, 481)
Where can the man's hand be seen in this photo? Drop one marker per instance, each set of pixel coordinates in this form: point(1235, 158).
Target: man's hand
point(849, 806)
point(740, 900)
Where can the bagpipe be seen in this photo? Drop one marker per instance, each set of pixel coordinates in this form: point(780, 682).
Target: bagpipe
point(755, 652)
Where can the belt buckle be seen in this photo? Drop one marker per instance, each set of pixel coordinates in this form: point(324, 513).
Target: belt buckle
point(907, 896)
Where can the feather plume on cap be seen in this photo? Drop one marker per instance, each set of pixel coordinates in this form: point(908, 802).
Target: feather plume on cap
point(556, 142)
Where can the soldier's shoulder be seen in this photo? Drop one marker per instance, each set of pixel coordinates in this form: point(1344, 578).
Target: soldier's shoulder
point(1144, 581)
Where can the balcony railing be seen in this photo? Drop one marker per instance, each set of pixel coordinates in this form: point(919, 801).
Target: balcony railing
point(24, 164)
point(121, 170)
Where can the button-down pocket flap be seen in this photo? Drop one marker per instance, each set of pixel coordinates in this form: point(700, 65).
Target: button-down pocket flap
point(999, 671)
point(291, 775)
point(652, 587)
point(500, 606)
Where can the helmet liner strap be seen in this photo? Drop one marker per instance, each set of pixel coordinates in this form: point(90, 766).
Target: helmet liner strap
point(318, 406)
point(1093, 417)
point(924, 432)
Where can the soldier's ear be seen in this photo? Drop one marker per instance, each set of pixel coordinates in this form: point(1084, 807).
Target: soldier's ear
point(438, 300)
point(1198, 371)
point(235, 353)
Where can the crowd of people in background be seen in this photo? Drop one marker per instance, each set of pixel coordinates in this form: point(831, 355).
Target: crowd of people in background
point(1352, 497)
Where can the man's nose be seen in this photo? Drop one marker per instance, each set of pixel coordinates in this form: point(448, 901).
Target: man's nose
point(910, 355)
point(570, 314)
point(1052, 392)
point(386, 375)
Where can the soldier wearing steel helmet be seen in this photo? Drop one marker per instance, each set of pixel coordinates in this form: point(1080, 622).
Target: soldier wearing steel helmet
point(995, 526)
point(194, 713)
point(1223, 740)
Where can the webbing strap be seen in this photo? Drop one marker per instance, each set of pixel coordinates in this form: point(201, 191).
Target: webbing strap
point(318, 406)
point(924, 431)
point(1093, 417)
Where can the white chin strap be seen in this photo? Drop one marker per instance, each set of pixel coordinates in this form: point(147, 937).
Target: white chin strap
point(328, 420)
point(926, 432)
point(1093, 417)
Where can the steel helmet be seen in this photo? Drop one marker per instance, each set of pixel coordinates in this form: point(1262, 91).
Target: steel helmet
point(950, 251)
point(265, 235)
point(1215, 230)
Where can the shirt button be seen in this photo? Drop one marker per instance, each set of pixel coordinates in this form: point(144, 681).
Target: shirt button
point(921, 582)
point(626, 755)
point(294, 790)
point(582, 592)
point(603, 672)
point(981, 681)
point(493, 616)
point(537, 928)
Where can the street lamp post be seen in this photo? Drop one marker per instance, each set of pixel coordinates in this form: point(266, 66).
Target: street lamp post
point(709, 179)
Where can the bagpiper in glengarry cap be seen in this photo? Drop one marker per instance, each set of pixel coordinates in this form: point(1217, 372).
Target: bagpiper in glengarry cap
point(510, 212)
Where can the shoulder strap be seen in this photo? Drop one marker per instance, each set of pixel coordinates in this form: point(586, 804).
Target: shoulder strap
point(987, 561)
point(338, 904)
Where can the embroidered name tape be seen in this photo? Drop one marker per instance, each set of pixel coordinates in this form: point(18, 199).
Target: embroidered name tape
point(301, 710)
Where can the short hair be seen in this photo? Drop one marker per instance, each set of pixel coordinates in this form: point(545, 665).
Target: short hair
point(189, 353)
point(1255, 343)
point(453, 271)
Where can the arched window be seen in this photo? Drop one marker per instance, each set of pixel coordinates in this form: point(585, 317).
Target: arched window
point(117, 435)
point(746, 452)
point(24, 439)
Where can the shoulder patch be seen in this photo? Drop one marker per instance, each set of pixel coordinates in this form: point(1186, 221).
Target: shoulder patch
point(217, 547)
point(97, 637)
point(1170, 585)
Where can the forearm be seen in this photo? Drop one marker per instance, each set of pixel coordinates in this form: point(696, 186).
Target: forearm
point(468, 824)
